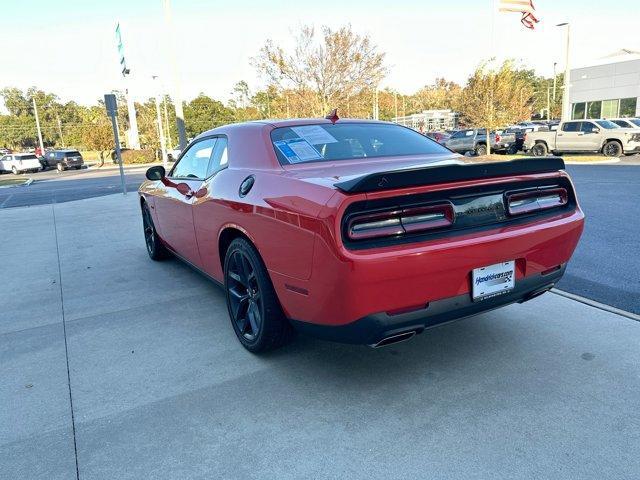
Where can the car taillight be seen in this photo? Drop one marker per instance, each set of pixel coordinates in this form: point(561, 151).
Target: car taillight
point(498, 138)
point(534, 200)
point(401, 221)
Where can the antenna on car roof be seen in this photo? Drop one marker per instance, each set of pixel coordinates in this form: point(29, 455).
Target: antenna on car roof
point(333, 116)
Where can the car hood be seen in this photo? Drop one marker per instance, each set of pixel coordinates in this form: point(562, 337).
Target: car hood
point(329, 173)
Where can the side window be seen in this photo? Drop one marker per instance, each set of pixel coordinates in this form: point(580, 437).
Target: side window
point(219, 159)
point(469, 133)
point(621, 123)
point(195, 162)
point(587, 127)
point(459, 134)
point(571, 127)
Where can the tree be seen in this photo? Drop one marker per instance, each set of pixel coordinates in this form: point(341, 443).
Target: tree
point(496, 97)
point(326, 73)
point(203, 113)
point(95, 131)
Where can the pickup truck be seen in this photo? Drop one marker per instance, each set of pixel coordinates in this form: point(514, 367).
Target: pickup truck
point(475, 140)
point(584, 136)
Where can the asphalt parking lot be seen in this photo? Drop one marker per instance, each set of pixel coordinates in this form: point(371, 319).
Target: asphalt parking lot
point(114, 366)
point(52, 186)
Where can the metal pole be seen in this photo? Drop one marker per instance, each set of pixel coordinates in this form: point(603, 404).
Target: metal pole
point(60, 129)
point(566, 106)
point(395, 104)
point(163, 146)
point(166, 120)
point(134, 136)
point(554, 81)
point(35, 109)
point(182, 133)
point(114, 125)
point(548, 102)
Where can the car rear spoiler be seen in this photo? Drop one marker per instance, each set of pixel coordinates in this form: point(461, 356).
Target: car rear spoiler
point(414, 177)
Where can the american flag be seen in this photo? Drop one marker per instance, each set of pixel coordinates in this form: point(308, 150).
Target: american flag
point(525, 7)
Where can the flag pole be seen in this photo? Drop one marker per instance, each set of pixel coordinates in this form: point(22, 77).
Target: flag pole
point(492, 20)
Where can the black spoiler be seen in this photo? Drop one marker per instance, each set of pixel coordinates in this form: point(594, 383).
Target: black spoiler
point(414, 177)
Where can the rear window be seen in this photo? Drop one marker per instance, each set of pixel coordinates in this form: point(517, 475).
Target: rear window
point(74, 153)
point(347, 141)
point(26, 157)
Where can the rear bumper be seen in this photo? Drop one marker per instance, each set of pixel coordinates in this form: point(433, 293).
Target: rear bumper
point(372, 329)
point(348, 286)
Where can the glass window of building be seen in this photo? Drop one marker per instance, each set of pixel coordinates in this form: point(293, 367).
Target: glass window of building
point(628, 107)
point(609, 108)
point(578, 111)
point(594, 109)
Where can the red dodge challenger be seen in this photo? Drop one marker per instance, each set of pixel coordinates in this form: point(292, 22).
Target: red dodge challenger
point(357, 231)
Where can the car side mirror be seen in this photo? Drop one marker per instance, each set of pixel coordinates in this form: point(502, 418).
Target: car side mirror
point(596, 130)
point(156, 173)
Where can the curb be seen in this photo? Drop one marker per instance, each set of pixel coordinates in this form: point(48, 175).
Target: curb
point(596, 162)
point(26, 183)
point(598, 305)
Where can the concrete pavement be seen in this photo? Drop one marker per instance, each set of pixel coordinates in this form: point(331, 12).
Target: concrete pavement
point(158, 386)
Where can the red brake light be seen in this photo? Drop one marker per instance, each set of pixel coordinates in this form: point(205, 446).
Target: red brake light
point(398, 222)
point(535, 200)
point(498, 138)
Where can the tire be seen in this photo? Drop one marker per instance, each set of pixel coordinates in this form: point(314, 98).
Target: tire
point(60, 167)
point(539, 150)
point(612, 149)
point(156, 250)
point(14, 170)
point(513, 149)
point(256, 316)
point(481, 150)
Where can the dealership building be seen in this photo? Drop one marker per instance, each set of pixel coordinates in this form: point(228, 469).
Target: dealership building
point(608, 90)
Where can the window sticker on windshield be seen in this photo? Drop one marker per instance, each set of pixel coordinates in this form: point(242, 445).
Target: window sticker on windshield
point(314, 134)
point(297, 150)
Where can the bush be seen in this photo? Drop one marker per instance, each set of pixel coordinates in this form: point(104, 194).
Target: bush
point(137, 156)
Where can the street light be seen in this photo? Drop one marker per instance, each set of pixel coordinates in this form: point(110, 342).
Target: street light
point(566, 106)
point(163, 147)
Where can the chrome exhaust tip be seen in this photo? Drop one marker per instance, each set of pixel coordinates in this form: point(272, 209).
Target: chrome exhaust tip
point(397, 338)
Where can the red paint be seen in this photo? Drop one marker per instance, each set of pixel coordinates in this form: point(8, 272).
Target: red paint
point(293, 216)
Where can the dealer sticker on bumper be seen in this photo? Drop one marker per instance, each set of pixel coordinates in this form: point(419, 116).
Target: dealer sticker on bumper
point(493, 280)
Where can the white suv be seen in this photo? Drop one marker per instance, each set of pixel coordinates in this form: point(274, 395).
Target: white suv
point(19, 162)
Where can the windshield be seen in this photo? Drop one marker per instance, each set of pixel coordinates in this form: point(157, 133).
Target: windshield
point(347, 141)
point(606, 124)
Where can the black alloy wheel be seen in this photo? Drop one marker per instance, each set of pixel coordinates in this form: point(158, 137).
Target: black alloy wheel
point(612, 149)
point(255, 312)
point(155, 248)
point(244, 295)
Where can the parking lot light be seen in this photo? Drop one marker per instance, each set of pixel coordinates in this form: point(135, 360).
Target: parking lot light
point(566, 106)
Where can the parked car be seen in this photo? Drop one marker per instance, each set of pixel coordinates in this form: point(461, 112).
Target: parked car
point(626, 122)
point(19, 163)
point(63, 159)
point(585, 136)
point(475, 140)
point(519, 135)
point(356, 230)
point(440, 137)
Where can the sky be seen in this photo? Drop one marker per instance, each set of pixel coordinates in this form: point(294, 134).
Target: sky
point(69, 46)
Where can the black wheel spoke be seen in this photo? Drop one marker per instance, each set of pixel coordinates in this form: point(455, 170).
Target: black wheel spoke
point(254, 318)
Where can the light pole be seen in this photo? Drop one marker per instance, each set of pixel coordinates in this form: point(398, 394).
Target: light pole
point(554, 80)
point(163, 145)
point(566, 106)
point(182, 134)
point(35, 110)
